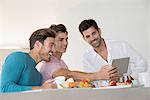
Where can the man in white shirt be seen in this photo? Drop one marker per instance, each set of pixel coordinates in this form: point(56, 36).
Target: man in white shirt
point(101, 52)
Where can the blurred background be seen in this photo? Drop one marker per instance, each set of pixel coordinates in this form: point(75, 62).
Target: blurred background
point(127, 20)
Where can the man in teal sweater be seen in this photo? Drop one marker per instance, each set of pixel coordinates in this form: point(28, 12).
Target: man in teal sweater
point(19, 72)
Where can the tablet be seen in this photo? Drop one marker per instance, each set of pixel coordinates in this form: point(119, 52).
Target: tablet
point(121, 64)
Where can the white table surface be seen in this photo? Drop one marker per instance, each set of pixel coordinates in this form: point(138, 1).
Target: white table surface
point(81, 94)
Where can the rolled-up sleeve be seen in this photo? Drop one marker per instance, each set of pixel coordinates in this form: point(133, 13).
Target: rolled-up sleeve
point(137, 63)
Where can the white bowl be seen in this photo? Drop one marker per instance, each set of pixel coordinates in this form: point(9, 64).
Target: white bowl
point(59, 79)
point(70, 80)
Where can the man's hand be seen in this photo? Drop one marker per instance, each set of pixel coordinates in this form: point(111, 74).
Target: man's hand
point(107, 72)
point(49, 84)
point(115, 76)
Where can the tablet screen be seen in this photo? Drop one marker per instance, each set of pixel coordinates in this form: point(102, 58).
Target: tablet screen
point(121, 64)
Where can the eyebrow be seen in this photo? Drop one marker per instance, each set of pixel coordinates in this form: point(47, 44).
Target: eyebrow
point(93, 32)
point(60, 38)
point(52, 43)
point(63, 38)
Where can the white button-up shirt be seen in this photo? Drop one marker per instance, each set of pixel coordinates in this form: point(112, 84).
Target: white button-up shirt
point(92, 61)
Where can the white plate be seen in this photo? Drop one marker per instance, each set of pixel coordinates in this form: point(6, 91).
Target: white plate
point(114, 87)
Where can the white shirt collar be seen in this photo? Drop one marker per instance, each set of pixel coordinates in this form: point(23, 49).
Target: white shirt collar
point(108, 46)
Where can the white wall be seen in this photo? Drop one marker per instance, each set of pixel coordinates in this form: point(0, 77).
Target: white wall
point(149, 26)
point(149, 32)
point(119, 19)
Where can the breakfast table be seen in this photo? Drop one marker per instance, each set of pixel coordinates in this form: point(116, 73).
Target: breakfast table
point(132, 93)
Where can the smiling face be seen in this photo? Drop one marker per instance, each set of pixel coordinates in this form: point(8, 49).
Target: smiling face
point(61, 42)
point(47, 48)
point(93, 37)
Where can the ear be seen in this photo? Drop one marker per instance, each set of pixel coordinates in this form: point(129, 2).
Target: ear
point(37, 45)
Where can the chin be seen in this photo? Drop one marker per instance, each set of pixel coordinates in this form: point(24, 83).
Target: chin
point(95, 45)
point(48, 59)
point(62, 51)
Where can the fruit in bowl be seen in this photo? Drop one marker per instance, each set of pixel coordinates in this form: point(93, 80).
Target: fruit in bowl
point(128, 82)
point(112, 83)
point(72, 84)
point(85, 84)
point(80, 84)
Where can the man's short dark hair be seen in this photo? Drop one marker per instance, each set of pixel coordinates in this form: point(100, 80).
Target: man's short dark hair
point(85, 24)
point(40, 35)
point(58, 28)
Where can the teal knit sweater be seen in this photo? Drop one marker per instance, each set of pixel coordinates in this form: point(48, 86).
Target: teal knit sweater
point(19, 73)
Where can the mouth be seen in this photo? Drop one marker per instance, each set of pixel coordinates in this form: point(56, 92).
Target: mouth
point(65, 48)
point(93, 42)
point(50, 54)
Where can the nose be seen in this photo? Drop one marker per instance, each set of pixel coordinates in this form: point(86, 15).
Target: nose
point(92, 38)
point(66, 43)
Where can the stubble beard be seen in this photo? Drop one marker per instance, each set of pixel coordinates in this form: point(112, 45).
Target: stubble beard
point(97, 44)
point(45, 56)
